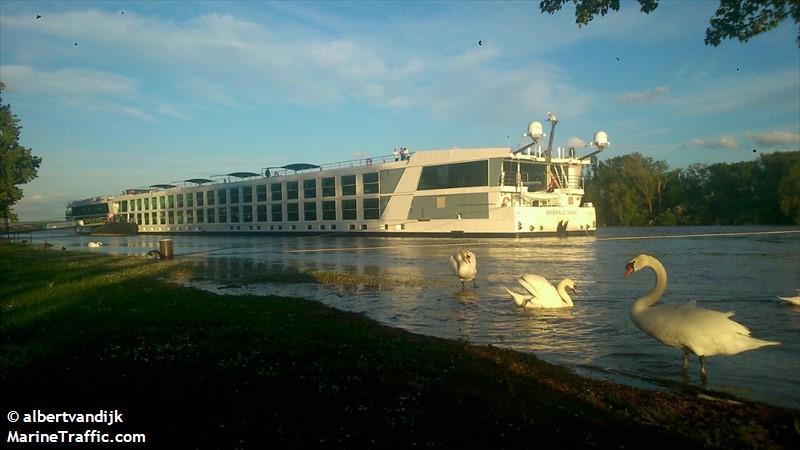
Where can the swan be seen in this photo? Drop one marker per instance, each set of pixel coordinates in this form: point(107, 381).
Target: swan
point(702, 332)
point(793, 300)
point(464, 264)
point(94, 244)
point(542, 293)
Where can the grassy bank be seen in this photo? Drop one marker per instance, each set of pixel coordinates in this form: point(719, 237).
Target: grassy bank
point(191, 369)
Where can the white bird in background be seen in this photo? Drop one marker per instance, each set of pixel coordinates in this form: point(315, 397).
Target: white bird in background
point(700, 331)
point(542, 294)
point(793, 300)
point(94, 244)
point(464, 264)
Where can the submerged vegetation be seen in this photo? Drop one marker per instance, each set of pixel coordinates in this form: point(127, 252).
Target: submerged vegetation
point(633, 190)
point(193, 369)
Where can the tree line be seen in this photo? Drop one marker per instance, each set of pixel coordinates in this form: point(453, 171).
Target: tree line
point(633, 190)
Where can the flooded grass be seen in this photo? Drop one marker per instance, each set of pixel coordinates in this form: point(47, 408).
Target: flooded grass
point(196, 370)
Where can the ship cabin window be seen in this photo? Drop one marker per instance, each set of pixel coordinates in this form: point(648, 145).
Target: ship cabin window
point(370, 181)
point(162, 202)
point(329, 187)
point(147, 204)
point(210, 198)
point(291, 190)
point(349, 209)
point(171, 201)
point(448, 176)
point(528, 172)
point(162, 217)
point(235, 214)
point(154, 217)
point(210, 215)
point(348, 184)
point(276, 193)
point(234, 196)
point(329, 210)
point(222, 196)
point(261, 213)
point(201, 215)
point(292, 212)
point(190, 200)
point(247, 214)
point(310, 211)
point(351, 227)
point(189, 216)
point(222, 215)
point(132, 204)
point(261, 193)
point(123, 206)
point(309, 188)
point(139, 218)
point(247, 194)
point(170, 217)
point(180, 200)
point(371, 208)
point(199, 198)
point(180, 217)
point(138, 204)
point(147, 218)
point(277, 212)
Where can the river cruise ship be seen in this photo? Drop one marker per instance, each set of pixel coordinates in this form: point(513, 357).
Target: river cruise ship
point(528, 192)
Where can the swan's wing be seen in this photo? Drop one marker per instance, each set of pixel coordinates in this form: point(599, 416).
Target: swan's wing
point(453, 265)
point(542, 291)
point(792, 300)
point(519, 299)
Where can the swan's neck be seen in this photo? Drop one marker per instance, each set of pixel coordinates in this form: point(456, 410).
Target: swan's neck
point(648, 300)
point(562, 291)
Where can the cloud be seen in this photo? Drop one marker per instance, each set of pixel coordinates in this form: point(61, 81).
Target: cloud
point(775, 139)
point(169, 110)
point(575, 142)
point(69, 82)
point(134, 112)
point(644, 97)
point(723, 142)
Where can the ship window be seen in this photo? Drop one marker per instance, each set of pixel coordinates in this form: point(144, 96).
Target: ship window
point(170, 217)
point(351, 227)
point(292, 211)
point(180, 217)
point(139, 218)
point(154, 217)
point(310, 211)
point(234, 196)
point(370, 181)
point(328, 210)
point(132, 204)
point(199, 198)
point(235, 212)
point(123, 206)
point(201, 215)
point(210, 216)
point(371, 208)
point(162, 217)
point(276, 192)
point(291, 190)
point(210, 198)
point(222, 196)
point(261, 212)
point(180, 200)
point(147, 218)
point(247, 213)
point(147, 204)
point(309, 188)
point(349, 209)
point(247, 194)
point(222, 215)
point(329, 187)
point(261, 193)
point(138, 204)
point(277, 212)
point(189, 216)
point(348, 184)
point(162, 202)
point(171, 201)
point(446, 176)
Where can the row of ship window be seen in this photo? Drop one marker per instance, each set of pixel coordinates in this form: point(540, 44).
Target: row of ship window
point(370, 209)
point(245, 193)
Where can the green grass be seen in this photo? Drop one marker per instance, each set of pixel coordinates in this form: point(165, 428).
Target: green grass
point(197, 370)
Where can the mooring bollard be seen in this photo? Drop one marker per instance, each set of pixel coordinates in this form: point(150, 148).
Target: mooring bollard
point(165, 247)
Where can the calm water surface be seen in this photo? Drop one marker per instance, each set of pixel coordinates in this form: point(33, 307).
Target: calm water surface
point(742, 274)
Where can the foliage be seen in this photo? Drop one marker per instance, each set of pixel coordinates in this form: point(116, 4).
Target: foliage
point(636, 190)
point(17, 164)
point(740, 19)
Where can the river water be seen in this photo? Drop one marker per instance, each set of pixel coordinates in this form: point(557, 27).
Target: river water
point(742, 273)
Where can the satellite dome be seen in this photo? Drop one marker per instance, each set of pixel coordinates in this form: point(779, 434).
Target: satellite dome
point(535, 130)
point(600, 139)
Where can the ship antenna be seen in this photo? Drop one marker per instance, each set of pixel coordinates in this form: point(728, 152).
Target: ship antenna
point(553, 121)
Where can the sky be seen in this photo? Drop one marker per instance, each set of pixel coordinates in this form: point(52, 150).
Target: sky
point(114, 95)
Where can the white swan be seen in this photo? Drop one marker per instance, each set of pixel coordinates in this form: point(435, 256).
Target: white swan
point(793, 300)
point(94, 244)
point(542, 293)
point(700, 331)
point(464, 265)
